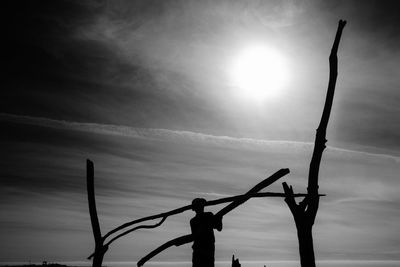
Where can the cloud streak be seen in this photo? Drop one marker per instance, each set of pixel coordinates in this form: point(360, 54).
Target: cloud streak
point(177, 136)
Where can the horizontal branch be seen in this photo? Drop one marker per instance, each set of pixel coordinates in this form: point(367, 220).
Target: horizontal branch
point(258, 187)
point(237, 202)
point(189, 207)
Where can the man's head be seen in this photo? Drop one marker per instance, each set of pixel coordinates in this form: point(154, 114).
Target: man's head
point(198, 205)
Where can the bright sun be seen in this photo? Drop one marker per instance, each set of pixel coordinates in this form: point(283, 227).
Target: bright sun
point(259, 73)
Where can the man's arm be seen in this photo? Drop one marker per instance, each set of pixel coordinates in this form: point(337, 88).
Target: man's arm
point(193, 229)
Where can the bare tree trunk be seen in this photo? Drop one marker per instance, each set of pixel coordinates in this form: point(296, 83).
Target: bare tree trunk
point(305, 212)
point(99, 250)
point(306, 247)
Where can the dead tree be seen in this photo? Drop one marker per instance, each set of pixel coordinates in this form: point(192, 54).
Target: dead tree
point(305, 212)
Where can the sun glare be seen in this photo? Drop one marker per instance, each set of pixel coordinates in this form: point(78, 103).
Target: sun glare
point(259, 73)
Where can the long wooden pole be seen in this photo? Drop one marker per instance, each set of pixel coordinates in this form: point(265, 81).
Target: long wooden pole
point(320, 137)
point(163, 216)
point(189, 207)
point(99, 250)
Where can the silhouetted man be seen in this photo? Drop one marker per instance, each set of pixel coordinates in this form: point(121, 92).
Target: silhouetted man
point(203, 225)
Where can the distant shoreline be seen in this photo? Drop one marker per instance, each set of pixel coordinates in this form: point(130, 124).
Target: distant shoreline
point(37, 265)
point(271, 263)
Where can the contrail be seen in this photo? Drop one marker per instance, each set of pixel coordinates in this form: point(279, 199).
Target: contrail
point(179, 136)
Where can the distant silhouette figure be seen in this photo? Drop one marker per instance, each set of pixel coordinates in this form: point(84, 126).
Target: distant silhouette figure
point(235, 262)
point(202, 226)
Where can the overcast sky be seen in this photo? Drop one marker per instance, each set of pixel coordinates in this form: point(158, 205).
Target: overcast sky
point(143, 88)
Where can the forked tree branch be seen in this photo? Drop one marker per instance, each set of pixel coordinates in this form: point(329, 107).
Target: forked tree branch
point(305, 212)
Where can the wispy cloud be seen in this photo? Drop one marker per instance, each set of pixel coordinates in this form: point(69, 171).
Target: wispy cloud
point(179, 136)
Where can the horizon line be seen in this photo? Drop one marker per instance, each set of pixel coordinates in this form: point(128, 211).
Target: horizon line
point(182, 262)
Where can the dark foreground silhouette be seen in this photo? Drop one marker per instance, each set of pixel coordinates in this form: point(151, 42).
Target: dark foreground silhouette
point(102, 243)
point(202, 226)
point(305, 212)
point(238, 201)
